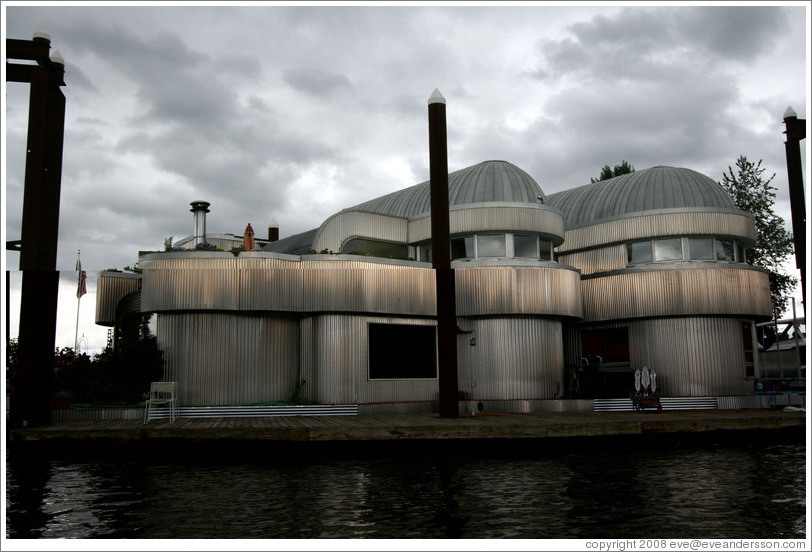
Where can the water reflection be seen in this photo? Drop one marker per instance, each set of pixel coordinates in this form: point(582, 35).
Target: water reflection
point(558, 489)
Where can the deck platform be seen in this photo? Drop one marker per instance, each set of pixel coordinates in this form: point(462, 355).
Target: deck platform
point(543, 425)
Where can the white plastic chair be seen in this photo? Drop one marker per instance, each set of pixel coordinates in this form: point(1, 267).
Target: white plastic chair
point(162, 394)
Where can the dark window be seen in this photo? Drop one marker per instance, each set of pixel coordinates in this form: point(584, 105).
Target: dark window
point(425, 253)
point(398, 351)
point(700, 249)
point(546, 250)
point(525, 246)
point(640, 252)
point(462, 248)
point(740, 253)
point(724, 250)
point(668, 250)
point(610, 345)
point(491, 246)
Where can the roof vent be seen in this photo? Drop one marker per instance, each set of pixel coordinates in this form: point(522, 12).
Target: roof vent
point(200, 208)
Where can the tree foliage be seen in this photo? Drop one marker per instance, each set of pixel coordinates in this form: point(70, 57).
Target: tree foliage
point(754, 193)
point(608, 172)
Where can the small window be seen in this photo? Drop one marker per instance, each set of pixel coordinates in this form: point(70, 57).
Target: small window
point(425, 252)
point(639, 252)
point(545, 250)
point(724, 250)
point(491, 246)
point(741, 254)
point(700, 249)
point(668, 250)
point(462, 248)
point(525, 246)
point(402, 351)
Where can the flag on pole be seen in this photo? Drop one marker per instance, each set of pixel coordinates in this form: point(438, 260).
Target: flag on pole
point(82, 286)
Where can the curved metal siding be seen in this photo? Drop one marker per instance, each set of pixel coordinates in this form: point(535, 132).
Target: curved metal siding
point(257, 262)
point(271, 290)
point(485, 217)
point(184, 289)
point(220, 359)
point(693, 356)
point(369, 290)
point(591, 261)
point(331, 262)
point(348, 224)
point(510, 290)
point(186, 260)
point(111, 287)
point(386, 289)
point(519, 358)
point(659, 224)
point(677, 292)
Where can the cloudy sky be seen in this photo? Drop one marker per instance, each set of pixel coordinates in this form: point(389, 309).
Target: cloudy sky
point(289, 114)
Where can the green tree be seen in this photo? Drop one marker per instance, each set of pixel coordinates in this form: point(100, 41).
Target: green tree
point(608, 172)
point(753, 193)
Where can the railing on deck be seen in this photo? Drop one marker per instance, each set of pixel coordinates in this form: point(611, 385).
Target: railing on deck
point(668, 403)
point(261, 411)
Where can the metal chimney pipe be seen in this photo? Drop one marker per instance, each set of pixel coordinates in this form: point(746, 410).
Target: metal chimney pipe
point(273, 231)
point(200, 208)
point(441, 259)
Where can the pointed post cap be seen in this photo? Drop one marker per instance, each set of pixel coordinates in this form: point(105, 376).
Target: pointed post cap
point(39, 34)
point(790, 113)
point(57, 58)
point(436, 97)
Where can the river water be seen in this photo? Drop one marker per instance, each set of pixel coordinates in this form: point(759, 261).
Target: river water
point(749, 485)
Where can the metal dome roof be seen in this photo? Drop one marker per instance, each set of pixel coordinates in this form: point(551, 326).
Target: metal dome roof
point(489, 181)
point(646, 190)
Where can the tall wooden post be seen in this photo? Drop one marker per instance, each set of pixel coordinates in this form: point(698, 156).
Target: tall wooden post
point(796, 131)
point(441, 258)
point(31, 387)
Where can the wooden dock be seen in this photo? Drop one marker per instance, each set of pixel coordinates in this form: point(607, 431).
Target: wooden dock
point(345, 429)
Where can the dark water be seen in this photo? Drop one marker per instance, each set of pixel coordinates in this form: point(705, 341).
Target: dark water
point(712, 487)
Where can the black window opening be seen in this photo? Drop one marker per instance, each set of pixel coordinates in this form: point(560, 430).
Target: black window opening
point(402, 351)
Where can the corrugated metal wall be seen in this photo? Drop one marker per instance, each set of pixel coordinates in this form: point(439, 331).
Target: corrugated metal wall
point(659, 224)
point(517, 358)
point(693, 356)
point(220, 358)
point(205, 284)
point(677, 292)
point(335, 353)
point(110, 288)
point(360, 286)
point(540, 291)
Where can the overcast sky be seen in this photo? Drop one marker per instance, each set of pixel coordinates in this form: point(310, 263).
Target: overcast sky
point(290, 114)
